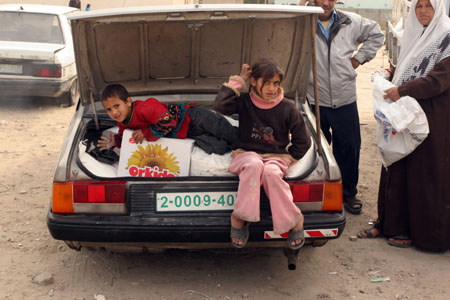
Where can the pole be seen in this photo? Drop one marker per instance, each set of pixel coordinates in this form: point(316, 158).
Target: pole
point(316, 88)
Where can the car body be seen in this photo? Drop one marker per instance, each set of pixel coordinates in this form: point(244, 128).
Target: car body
point(36, 52)
point(184, 54)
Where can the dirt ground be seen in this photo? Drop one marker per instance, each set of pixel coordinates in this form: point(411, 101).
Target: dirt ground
point(32, 133)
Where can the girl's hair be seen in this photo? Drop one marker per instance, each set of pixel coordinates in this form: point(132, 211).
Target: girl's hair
point(266, 69)
point(115, 90)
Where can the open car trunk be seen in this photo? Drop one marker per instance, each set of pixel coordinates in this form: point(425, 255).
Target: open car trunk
point(184, 57)
point(105, 164)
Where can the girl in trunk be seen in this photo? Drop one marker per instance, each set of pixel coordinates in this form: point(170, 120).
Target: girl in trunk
point(261, 155)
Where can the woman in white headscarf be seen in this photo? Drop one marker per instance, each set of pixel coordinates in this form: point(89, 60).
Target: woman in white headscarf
point(414, 193)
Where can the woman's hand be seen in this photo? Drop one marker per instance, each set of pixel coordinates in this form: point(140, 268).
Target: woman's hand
point(138, 136)
point(245, 72)
point(105, 143)
point(392, 94)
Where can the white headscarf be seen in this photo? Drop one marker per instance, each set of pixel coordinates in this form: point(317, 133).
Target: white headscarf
point(420, 52)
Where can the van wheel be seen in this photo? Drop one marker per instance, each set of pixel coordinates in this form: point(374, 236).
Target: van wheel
point(72, 96)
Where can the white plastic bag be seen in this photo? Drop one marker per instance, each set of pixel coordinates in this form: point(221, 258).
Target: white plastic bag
point(401, 125)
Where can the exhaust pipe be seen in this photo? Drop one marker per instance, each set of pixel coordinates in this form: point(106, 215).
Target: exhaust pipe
point(291, 256)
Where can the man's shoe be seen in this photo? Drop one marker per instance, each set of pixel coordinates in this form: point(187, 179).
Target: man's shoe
point(353, 205)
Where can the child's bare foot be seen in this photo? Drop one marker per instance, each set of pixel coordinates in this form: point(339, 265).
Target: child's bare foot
point(238, 225)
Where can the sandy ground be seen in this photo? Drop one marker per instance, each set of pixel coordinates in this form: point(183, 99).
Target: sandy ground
point(32, 133)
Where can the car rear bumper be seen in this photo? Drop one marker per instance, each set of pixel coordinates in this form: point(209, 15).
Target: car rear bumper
point(40, 87)
point(186, 232)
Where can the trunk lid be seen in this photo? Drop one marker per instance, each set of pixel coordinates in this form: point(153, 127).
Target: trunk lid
point(28, 51)
point(189, 49)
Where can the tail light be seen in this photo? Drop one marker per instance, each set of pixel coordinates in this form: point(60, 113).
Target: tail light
point(89, 197)
point(45, 70)
point(327, 193)
point(62, 200)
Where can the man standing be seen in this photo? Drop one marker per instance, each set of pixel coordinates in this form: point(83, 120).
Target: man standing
point(339, 34)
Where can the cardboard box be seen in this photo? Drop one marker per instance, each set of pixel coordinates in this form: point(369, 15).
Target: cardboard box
point(162, 158)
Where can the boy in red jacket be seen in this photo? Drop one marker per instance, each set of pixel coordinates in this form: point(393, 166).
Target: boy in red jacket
point(152, 120)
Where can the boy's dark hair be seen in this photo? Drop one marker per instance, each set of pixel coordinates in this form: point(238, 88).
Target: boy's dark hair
point(266, 69)
point(115, 90)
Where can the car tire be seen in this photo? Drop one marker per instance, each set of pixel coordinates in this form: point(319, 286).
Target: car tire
point(72, 96)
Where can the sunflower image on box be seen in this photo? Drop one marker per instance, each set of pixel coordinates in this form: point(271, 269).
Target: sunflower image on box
point(153, 161)
point(165, 157)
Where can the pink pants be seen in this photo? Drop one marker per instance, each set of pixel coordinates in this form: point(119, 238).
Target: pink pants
point(254, 171)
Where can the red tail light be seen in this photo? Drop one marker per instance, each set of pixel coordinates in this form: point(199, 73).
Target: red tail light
point(99, 192)
point(51, 71)
point(307, 192)
point(328, 193)
point(103, 197)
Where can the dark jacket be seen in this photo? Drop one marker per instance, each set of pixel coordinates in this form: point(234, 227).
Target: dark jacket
point(265, 130)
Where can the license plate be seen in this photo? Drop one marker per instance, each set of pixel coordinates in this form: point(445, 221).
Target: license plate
point(12, 69)
point(195, 201)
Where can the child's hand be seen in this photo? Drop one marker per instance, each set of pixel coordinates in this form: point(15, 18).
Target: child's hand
point(245, 72)
point(105, 143)
point(236, 153)
point(138, 136)
point(287, 158)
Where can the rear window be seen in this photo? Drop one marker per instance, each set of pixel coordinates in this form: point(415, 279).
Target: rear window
point(30, 27)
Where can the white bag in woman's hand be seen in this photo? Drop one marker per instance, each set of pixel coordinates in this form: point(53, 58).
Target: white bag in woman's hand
point(401, 125)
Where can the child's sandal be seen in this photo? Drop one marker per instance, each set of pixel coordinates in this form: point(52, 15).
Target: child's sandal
point(296, 235)
point(240, 233)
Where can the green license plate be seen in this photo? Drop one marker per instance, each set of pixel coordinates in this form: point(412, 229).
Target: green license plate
point(195, 201)
point(11, 69)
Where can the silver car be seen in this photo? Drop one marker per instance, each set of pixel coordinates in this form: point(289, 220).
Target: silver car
point(182, 54)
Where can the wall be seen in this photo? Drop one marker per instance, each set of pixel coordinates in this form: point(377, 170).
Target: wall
point(366, 4)
point(379, 15)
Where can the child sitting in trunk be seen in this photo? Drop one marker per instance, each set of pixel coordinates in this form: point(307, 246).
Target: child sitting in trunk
point(261, 154)
point(152, 120)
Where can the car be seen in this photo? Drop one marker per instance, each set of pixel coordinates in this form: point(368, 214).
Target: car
point(183, 54)
point(36, 53)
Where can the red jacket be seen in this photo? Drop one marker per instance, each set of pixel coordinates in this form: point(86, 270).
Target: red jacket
point(156, 120)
